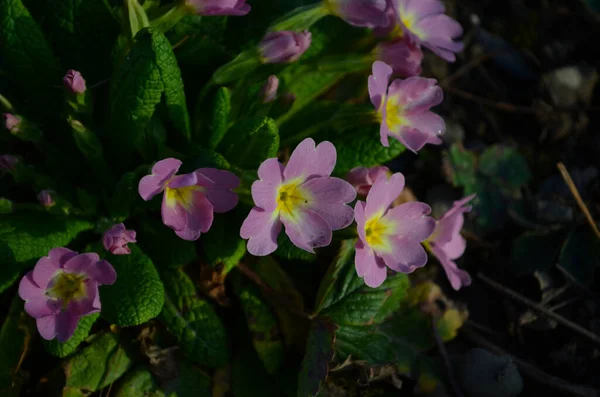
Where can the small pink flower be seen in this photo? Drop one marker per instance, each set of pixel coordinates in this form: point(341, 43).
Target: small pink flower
point(302, 197)
point(8, 162)
point(74, 82)
point(268, 92)
point(62, 288)
point(447, 244)
point(190, 199)
point(425, 22)
point(404, 108)
point(45, 198)
point(116, 239)
point(284, 46)
point(11, 122)
point(363, 178)
point(402, 55)
point(390, 237)
point(367, 13)
point(219, 7)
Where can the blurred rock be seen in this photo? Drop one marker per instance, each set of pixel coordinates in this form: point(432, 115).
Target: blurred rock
point(483, 374)
point(571, 85)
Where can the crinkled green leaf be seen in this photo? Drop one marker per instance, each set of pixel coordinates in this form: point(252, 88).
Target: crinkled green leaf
point(347, 300)
point(263, 327)
point(535, 250)
point(83, 33)
point(199, 41)
point(149, 71)
point(288, 251)
point(98, 365)
point(138, 294)
point(82, 331)
point(125, 194)
point(14, 336)
point(580, 255)
point(26, 237)
point(190, 382)
point(193, 322)
point(222, 244)
point(463, 165)
point(219, 120)
point(490, 205)
point(248, 143)
point(505, 165)
point(29, 56)
point(163, 246)
point(319, 352)
point(138, 382)
point(6, 206)
point(361, 147)
point(204, 158)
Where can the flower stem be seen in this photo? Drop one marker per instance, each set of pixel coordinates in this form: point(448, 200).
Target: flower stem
point(301, 18)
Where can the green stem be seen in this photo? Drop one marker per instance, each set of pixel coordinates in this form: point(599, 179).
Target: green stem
point(301, 18)
point(170, 18)
point(5, 103)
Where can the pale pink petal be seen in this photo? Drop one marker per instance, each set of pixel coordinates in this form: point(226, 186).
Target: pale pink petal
point(42, 306)
point(45, 269)
point(184, 180)
point(151, 185)
point(420, 8)
point(383, 192)
point(82, 263)
point(28, 289)
point(412, 138)
point(85, 305)
point(359, 217)
point(103, 273)
point(369, 266)
point(217, 186)
point(405, 255)
point(173, 216)
point(47, 327)
point(309, 161)
point(427, 122)
point(264, 195)
point(271, 171)
point(458, 278)
point(328, 199)
point(412, 221)
point(66, 324)
point(307, 229)
point(261, 228)
point(199, 218)
point(378, 82)
point(416, 94)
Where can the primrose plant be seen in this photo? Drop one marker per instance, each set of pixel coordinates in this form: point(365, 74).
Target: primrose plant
point(153, 153)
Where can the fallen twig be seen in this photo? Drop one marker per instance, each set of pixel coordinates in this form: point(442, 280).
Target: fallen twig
point(569, 181)
point(536, 306)
point(532, 371)
point(504, 106)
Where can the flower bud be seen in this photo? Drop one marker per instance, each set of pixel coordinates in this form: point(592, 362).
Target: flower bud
point(45, 198)
point(402, 55)
point(368, 13)
point(116, 239)
point(363, 178)
point(11, 122)
point(74, 82)
point(284, 46)
point(268, 92)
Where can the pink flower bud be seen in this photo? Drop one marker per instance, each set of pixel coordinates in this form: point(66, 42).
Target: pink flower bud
point(403, 55)
point(45, 198)
point(284, 46)
point(74, 82)
point(363, 178)
point(11, 122)
point(219, 7)
point(116, 239)
point(268, 92)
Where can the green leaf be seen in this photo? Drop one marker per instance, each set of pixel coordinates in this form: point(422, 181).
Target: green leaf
point(71, 392)
point(361, 147)
point(190, 382)
point(219, 118)
point(223, 246)
point(505, 165)
point(59, 349)
point(199, 41)
point(14, 336)
point(580, 255)
point(193, 322)
point(125, 194)
point(83, 33)
point(344, 297)
point(163, 246)
point(25, 237)
point(248, 143)
point(6, 206)
point(319, 352)
point(490, 204)
point(204, 158)
point(263, 327)
point(138, 294)
point(288, 251)
point(462, 164)
point(98, 365)
point(537, 250)
point(25, 50)
point(149, 71)
point(248, 375)
point(138, 382)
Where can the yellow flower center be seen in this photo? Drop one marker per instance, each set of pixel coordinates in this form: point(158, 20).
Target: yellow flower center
point(290, 196)
point(181, 195)
point(394, 113)
point(377, 231)
point(67, 287)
